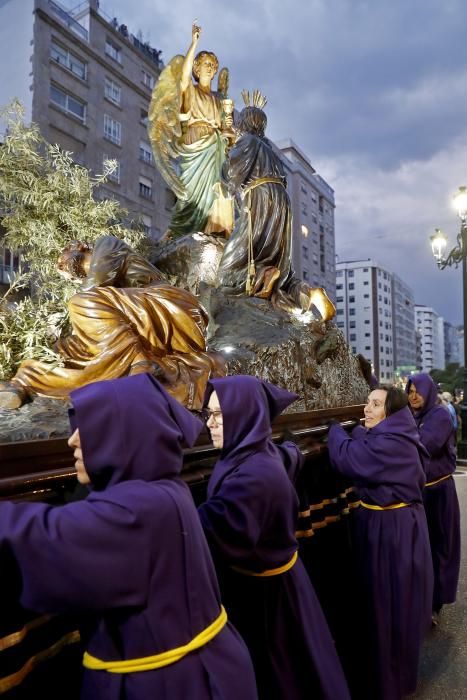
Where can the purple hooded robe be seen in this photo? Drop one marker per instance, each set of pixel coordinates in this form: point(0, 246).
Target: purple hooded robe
point(437, 433)
point(132, 555)
point(250, 519)
point(392, 549)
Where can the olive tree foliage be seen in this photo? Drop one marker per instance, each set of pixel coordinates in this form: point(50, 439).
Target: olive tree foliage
point(46, 201)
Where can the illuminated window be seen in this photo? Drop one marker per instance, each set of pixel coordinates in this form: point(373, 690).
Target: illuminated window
point(304, 230)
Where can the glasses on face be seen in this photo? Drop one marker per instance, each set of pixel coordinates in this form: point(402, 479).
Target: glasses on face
point(215, 415)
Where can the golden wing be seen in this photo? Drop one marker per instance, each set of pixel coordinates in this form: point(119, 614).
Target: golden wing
point(223, 82)
point(164, 127)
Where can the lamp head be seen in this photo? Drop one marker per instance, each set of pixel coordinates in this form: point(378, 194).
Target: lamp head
point(438, 245)
point(460, 202)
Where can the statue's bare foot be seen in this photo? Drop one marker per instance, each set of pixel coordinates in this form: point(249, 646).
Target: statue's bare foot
point(12, 396)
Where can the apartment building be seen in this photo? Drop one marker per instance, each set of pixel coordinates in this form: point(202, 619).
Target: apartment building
point(364, 300)
point(403, 326)
point(430, 326)
point(312, 200)
point(87, 82)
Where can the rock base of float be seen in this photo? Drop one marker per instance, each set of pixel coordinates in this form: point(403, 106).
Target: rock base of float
point(41, 419)
point(294, 351)
point(190, 261)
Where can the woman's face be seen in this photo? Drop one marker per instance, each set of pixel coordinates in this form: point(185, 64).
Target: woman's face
point(374, 410)
point(215, 421)
point(416, 401)
point(81, 474)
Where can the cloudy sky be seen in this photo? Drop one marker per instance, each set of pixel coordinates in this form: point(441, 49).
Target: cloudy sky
point(373, 91)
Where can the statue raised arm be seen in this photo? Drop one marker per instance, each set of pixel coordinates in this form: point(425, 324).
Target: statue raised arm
point(189, 138)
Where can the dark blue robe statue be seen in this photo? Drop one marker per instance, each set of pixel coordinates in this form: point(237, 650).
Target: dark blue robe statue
point(438, 435)
point(393, 560)
point(132, 555)
point(250, 519)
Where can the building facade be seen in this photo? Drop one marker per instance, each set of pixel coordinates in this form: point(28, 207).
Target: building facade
point(403, 326)
point(87, 82)
point(451, 343)
point(430, 326)
point(313, 236)
point(364, 312)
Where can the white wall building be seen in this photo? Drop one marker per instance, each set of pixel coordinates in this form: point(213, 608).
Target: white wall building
point(313, 236)
point(403, 326)
point(430, 325)
point(364, 312)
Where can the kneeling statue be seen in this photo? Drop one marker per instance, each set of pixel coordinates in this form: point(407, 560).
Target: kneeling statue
point(126, 320)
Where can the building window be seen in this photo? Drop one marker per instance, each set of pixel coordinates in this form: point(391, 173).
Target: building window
point(367, 335)
point(351, 312)
point(68, 60)
point(113, 51)
point(352, 324)
point(350, 273)
point(366, 282)
point(351, 285)
point(68, 103)
point(340, 312)
point(338, 286)
point(367, 347)
point(147, 224)
point(112, 130)
point(145, 187)
point(170, 199)
point(305, 252)
point(366, 296)
point(339, 300)
point(354, 350)
point(147, 79)
point(338, 273)
point(145, 152)
point(143, 117)
point(365, 269)
point(305, 275)
point(115, 175)
point(351, 300)
point(367, 322)
point(353, 337)
point(112, 91)
point(340, 324)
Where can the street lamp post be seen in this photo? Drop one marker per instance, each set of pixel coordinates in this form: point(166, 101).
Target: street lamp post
point(457, 254)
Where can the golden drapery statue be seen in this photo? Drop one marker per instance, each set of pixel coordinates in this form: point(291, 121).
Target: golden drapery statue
point(126, 320)
point(189, 129)
point(257, 258)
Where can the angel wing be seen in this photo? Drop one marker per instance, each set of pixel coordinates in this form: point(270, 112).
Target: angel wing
point(164, 127)
point(223, 82)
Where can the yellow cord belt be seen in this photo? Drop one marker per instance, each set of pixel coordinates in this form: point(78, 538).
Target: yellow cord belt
point(148, 663)
point(436, 481)
point(268, 572)
point(393, 506)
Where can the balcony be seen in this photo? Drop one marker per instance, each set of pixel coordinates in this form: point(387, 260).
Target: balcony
point(67, 19)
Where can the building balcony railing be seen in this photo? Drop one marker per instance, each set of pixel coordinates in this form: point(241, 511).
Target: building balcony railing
point(67, 19)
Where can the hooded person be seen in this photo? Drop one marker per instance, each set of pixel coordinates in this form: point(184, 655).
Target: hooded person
point(438, 435)
point(132, 556)
point(249, 519)
point(390, 534)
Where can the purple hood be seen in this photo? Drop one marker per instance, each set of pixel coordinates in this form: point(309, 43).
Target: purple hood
point(248, 405)
point(426, 387)
point(131, 428)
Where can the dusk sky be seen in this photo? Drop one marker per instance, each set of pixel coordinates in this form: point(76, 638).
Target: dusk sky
point(373, 91)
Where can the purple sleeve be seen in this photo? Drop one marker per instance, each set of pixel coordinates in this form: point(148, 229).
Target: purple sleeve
point(436, 431)
point(233, 518)
point(356, 458)
point(75, 557)
point(292, 458)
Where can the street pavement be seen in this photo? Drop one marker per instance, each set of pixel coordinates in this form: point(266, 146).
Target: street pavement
point(443, 667)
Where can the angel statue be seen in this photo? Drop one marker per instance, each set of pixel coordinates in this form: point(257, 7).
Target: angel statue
point(190, 127)
point(257, 258)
